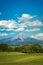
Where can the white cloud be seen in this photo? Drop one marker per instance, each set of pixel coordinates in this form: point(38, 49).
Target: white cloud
point(8, 24)
point(32, 30)
point(35, 23)
point(19, 29)
point(22, 25)
point(3, 34)
point(24, 21)
point(28, 23)
point(25, 17)
point(38, 36)
point(12, 24)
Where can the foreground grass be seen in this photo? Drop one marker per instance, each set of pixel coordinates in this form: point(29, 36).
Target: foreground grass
point(15, 58)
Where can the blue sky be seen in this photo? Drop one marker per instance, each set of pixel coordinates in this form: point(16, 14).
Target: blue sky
point(24, 16)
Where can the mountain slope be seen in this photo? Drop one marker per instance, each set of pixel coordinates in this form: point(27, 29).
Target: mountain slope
point(20, 39)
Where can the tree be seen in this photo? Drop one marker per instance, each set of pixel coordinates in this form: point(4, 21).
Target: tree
point(3, 47)
point(36, 48)
point(30, 48)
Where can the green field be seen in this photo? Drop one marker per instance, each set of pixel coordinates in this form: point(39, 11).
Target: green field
point(15, 58)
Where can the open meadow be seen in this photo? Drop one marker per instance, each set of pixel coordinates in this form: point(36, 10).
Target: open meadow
point(16, 58)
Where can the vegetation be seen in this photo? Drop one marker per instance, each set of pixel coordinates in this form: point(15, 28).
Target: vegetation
point(30, 48)
point(17, 58)
point(3, 47)
point(11, 55)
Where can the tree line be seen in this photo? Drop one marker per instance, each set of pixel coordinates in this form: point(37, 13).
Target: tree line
point(29, 48)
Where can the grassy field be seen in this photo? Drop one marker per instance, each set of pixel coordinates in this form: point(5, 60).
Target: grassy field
point(15, 58)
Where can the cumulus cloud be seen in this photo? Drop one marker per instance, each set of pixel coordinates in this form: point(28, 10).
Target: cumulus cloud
point(8, 24)
point(22, 25)
point(32, 30)
point(35, 23)
point(25, 17)
point(3, 34)
point(38, 36)
point(23, 22)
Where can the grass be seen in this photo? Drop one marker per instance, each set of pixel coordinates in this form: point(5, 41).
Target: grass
point(15, 58)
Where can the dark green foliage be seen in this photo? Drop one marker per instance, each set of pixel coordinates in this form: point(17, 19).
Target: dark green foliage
point(36, 48)
point(30, 48)
point(3, 47)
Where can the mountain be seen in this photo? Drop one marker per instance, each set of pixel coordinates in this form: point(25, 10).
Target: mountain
point(21, 36)
point(20, 39)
